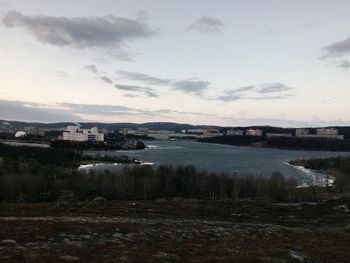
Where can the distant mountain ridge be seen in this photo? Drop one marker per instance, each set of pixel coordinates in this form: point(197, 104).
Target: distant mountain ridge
point(171, 126)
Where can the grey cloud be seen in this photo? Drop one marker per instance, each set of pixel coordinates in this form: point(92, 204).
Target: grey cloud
point(28, 111)
point(344, 64)
point(85, 32)
point(193, 86)
point(134, 88)
point(264, 92)
point(337, 49)
point(229, 95)
point(246, 88)
point(70, 112)
point(106, 79)
point(273, 87)
point(144, 78)
point(129, 87)
point(120, 110)
point(91, 68)
point(151, 94)
point(206, 24)
point(96, 109)
point(128, 95)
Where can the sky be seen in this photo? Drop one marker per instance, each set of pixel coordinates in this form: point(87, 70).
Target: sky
point(223, 62)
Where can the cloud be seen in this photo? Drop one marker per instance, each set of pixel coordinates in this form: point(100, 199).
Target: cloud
point(28, 111)
point(106, 79)
point(229, 95)
point(148, 92)
point(107, 32)
point(191, 86)
point(129, 87)
point(73, 111)
point(337, 49)
point(91, 68)
point(344, 64)
point(194, 86)
point(151, 94)
point(273, 87)
point(263, 92)
point(206, 24)
point(143, 78)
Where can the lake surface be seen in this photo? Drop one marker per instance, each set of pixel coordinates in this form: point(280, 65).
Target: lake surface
point(222, 158)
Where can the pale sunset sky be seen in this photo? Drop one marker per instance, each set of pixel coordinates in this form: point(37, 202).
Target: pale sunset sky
point(222, 62)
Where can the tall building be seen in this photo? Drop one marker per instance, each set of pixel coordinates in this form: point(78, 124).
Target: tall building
point(74, 133)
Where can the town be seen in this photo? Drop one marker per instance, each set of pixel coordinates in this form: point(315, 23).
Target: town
point(74, 132)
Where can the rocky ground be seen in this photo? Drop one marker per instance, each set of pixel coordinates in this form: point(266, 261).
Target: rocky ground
point(176, 231)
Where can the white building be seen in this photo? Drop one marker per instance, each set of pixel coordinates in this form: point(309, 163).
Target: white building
point(254, 132)
point(74, 133)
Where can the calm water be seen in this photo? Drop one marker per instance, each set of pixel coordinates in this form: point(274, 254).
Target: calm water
point(221, 158)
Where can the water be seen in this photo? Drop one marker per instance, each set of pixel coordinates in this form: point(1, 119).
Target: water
point(223, 158)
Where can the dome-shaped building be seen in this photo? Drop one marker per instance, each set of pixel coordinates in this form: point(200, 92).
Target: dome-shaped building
point(20, 134)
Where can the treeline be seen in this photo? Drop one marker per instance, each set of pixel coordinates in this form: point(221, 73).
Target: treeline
point(43, 156)
point(290, 143)
point(146, 183)
point(313, 144)
point(337, 166)
point(98, 146)
point(34, 182)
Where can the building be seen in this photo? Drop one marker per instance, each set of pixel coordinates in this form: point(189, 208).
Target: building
point(31, 130)
point(196, 131)
point(74, 133)
point(127, 131)
point(235, 132)
point(254, 132)
point(327, 131)
point(270, 135)
point(301, 132)
point(161, 134)
point(142, 132)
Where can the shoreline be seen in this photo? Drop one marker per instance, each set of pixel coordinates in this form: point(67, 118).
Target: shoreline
point(316, 177)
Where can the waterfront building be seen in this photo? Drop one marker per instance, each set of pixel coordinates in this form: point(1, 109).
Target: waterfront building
point(74, 133)
point(254, 132)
